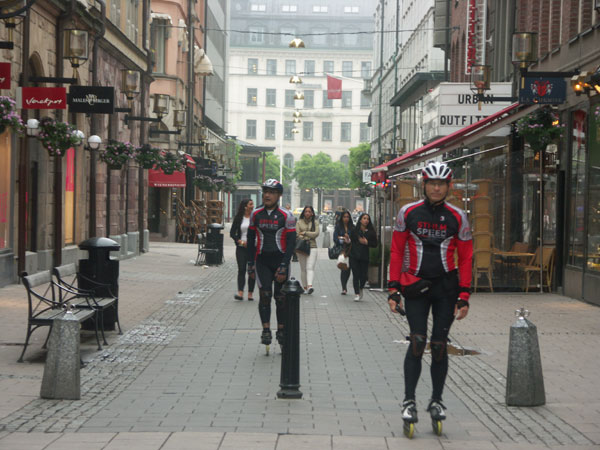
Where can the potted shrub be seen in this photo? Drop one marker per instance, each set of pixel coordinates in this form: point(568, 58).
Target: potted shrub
point(57, 137)
point(373, 275)
point(169, 163)
point(204, 183)
point(147, 156)
point(116, 153)
point(229, 186)
point(9, 117)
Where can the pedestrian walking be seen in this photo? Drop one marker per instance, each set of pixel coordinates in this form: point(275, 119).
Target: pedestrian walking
point(426, 236)
point(271, 242)
point(239, 234)
point(362, 237)
point(307, 229)
point(341, 236)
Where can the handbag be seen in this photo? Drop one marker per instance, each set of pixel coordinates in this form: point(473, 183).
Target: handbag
point(334, 251)
point(303, 246)
point(342, 262)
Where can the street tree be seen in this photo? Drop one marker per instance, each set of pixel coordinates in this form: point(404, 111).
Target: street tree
point(320, 172)
point(272, 170)
point(359, 159)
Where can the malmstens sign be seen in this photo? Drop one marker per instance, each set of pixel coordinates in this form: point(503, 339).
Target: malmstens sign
point(42, 98)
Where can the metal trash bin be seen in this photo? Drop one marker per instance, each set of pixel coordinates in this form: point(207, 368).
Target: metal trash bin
point(214, 240)
point(100, 268)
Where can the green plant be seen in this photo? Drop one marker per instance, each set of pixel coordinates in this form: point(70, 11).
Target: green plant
point(147, 156)
point(9, 116)
point(116, 153)
point(57, 137)
point(540, 128)
point(170, 162)
point(375, 255)
point(204, 183)
point(229, 185)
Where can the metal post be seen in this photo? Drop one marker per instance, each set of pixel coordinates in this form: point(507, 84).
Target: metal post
point(290, 355)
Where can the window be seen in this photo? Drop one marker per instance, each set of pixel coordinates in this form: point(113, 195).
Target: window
point(132, 19)
point(319, 9)
point(346, 131)
point(251, 96)
point(288, 160)
point(250, 129)
point(289, 98)
point(309, 99)
point(271, 67)
point(365, 69)
point(346, 99)
point(269, 129)
point(271, 97)
point(289, 8)
point(319, 36)
point(365, 101)
point(350, 37)
point(307, 131)
point(287, 34)
point(347, 68)
point(578, 189)
point(288, 126)
point(326, 131)
point(158, 38)
point(258, 7)
point(257, 34)
point(365, 135)
point(345, 160)
point(290, 67)
point(351, 9)
point(327, 103)
point(328, 67)
point(309, 67)
point(252, 66)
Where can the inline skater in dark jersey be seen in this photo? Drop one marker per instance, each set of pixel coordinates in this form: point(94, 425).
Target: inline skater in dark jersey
point(426, 236)
point(271, 242)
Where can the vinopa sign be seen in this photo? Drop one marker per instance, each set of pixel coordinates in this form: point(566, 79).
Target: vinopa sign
point(42, 98)
point(91, 99)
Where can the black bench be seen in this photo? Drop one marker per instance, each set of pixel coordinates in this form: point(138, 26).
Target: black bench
point(44, 306)
point(69, 291)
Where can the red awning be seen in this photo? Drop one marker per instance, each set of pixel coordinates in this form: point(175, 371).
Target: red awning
point(461, 138)
point(157, 178)
point(190, 161)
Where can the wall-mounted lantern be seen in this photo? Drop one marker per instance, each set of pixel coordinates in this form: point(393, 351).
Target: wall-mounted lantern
point(75, 47)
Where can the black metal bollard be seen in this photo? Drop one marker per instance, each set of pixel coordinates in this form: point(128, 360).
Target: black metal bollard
point(290, 356)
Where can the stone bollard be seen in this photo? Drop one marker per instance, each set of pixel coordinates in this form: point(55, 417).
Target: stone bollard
point(326, 239)
point(62, 369)
point(290, 355)
point(524, 379)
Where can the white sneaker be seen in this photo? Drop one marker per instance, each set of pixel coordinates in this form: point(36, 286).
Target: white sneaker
point(357, 298)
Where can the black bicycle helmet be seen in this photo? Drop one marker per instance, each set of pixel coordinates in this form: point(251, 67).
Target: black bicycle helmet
point(272, 183)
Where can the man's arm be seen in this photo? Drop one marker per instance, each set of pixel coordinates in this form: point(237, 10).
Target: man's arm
point(251, 242)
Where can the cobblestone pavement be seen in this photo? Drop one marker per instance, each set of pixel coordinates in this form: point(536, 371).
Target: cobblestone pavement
point(193, 371)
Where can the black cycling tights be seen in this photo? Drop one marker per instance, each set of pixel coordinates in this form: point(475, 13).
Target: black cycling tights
point(266, 266)
point(441, 300)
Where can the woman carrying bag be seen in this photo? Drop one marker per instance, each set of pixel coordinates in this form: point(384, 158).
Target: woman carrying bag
point(307, 230)
point(341, 238)
point(239, 233)
point(362, 237)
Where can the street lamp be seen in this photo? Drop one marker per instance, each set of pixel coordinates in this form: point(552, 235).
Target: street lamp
point(298, 96)
point(480, 81)
point(524, 51)
point(297, 113)
point(296, 43)
point(33, 127)
point(130, 84)
point(94, 142)
point(179, 119)
point(161, 105)
point(80, 135)
point(295, 79)
point(75, 47)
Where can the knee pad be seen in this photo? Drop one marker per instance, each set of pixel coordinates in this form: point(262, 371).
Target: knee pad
point(264, 298)
point(438, 350)
point(417, 344)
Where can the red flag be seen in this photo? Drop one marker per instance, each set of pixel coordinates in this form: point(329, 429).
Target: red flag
point(334, 88)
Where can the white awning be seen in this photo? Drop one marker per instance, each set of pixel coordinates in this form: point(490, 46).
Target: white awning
point(160, 16)
point(202, 64)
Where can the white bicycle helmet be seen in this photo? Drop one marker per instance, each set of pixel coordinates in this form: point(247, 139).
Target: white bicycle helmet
point(272, 183)
point(437, 171)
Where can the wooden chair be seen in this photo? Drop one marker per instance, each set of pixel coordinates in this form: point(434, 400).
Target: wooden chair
point(542, 261)
point(483, 240)
point(480, 204)
point(482, 263)
point(481, 222)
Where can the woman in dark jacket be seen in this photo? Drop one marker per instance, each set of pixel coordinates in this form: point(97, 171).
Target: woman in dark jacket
point(341, 236)
point(362, 237)
point(239, 232)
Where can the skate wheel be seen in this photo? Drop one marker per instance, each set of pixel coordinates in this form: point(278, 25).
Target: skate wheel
point(267, 348)
point(409, 430)
point(437, 427)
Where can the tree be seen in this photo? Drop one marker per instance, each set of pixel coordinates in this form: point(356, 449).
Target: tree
point(272, 170)
point(320, 172)
point(359, 158)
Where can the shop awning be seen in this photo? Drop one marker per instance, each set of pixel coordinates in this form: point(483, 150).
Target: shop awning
point(462, 138)
point(157, 178)
point(191, 163)
point(160, 16)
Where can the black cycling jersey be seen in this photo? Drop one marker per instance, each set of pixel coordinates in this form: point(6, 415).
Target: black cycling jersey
point(271, 232)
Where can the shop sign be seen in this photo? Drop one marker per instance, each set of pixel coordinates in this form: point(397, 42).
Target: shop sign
point(91, 99)
point(543, 91)
point(5, 75)
point(452, 106)
point(366, 176)
point(42, 98)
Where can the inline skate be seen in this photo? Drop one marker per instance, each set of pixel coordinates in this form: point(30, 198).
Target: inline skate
point(266, 338)
point(437, 410)
point(409, 416)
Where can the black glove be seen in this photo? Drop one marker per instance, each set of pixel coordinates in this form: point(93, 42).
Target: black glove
point(395, 296)
point(461, 303)
point(281, 273)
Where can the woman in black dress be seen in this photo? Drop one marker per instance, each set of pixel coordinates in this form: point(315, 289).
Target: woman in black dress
point(362, 237)
point(341, 236)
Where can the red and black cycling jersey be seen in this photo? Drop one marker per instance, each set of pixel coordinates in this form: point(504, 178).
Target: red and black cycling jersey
point(425, 240)
point(271, 232)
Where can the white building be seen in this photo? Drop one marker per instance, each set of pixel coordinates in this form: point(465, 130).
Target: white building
point(261, 99)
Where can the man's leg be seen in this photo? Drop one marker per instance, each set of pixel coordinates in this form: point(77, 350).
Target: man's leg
point(264, 279)
point(417, 310)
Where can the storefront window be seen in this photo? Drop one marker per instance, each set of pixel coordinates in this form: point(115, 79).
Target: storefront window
point(576, 209)
point(70, 197)
point(4, 187)
point(593, 250)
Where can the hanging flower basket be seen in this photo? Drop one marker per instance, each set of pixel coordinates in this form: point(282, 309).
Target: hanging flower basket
point(9, 117)
point(169, 163)
point(116, 154)
point(229, 186)
point(147, 156)
point(57, 137)
point(540, 128)
point(205, 183)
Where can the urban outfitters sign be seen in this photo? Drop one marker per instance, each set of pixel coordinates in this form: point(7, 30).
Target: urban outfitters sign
point(42, 98)
point(91, 99)
point(452, 106)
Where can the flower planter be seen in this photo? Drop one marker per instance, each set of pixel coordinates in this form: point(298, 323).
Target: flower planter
point(148, 165)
